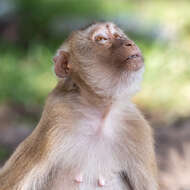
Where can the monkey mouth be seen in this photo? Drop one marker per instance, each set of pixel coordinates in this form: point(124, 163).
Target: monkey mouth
point(135, 56)
point(134, 62)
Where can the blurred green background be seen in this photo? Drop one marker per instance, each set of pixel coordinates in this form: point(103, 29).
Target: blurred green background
point(31, 31)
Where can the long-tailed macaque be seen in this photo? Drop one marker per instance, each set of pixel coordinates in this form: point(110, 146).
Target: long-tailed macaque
point(90, 136)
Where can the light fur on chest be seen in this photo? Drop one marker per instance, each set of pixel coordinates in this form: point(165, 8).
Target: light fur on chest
point(91, 149)
point(94, 139)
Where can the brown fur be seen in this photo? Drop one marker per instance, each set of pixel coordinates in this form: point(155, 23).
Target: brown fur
point(88, 124)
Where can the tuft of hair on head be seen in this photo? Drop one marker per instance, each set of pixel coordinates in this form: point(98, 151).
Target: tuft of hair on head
point(91, 24)
point(88, 25)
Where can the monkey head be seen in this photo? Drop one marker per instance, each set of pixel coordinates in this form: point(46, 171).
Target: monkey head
point(103, 58)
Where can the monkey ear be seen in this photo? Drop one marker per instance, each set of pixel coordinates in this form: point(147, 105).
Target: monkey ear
point(61, 64)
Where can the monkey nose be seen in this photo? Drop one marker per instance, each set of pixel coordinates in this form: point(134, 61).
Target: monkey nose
point(118, 43)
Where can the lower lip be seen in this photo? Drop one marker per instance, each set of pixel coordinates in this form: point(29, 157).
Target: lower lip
point(130, 60)
point(135, 63)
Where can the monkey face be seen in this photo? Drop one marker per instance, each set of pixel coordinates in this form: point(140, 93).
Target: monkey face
point(107, 44)
point(106, 59)
point(114, 48)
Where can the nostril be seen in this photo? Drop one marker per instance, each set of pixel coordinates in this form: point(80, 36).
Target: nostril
point(128, 44)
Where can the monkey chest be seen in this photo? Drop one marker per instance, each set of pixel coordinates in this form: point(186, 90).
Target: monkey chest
point(95, 147)
point(93, 152)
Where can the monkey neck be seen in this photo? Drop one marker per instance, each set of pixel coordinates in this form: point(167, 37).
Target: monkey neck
point(95, 99)
point(86, 93)
point(89, 94)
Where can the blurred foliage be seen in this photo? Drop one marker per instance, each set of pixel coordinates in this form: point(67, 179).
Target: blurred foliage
point(160, 28)
point(26, 78)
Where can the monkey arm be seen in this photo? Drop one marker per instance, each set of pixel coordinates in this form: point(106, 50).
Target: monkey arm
point(31, 164)
point(27, 165)
point(25, 158)
point(140, 169)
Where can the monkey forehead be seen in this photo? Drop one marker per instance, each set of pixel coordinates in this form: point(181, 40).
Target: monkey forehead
point(103, 28)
